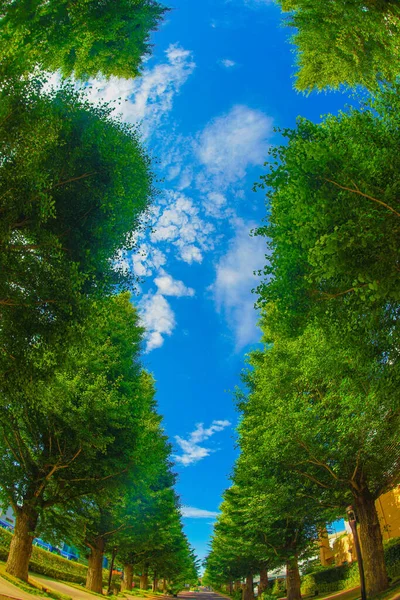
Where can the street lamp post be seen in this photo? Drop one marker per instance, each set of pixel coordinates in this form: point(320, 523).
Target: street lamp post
point(353, 526)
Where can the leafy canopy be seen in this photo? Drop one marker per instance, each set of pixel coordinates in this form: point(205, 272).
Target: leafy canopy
point(340, 42)
point(84, 38)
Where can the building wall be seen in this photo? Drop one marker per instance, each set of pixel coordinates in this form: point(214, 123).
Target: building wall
point(388, 508)
point(7, 516)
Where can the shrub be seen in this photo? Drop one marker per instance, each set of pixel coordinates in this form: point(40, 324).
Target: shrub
point(392, 557)
point(46, 563)
point(279, 587)
point(330, 580)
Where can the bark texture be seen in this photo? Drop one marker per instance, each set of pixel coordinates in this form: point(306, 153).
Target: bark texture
point(144, 581)
point(21, 543)
point(94, 578)
point(128, 577)
point(292, 580)
point(263, 581)
point(248, 593)
point(376, 579)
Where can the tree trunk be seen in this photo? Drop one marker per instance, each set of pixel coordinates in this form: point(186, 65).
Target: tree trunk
point(292, 580)
point(230, 588)
point(164, 587)
point(144, 581)
point(128, 577)
point(263, 581)
point(155, 583)
point(376, 579)
point(237, 586)
point(248, 593)
point(21, 542)
point(94, 578)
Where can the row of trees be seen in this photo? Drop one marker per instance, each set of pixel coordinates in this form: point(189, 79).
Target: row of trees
point(84, 457)
point(319, 426)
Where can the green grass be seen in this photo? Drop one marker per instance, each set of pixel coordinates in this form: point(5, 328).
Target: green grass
point(31, 588)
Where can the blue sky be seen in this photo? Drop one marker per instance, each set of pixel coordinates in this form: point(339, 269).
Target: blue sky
point(219, 81)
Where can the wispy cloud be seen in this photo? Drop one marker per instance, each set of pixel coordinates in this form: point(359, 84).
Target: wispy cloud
point(158, 318)
point(192, 451)
point(190, 512)
point(150, 97)
point(231, 143)
point(179, 223)
point(234, 281)
point(168, 286)
point(227, 63)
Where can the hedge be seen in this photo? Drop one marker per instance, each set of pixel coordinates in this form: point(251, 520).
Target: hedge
point(330, 580)
point(392, 557)
point(47, 563)
point(333, 579)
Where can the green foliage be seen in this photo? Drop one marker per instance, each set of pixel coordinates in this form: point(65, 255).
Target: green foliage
point(392, 557)
point(340, 42)
point(82, 427)
point(46, 563)
point(279, 587)
point(84, 38)
point(330, 580)
point(334, 224)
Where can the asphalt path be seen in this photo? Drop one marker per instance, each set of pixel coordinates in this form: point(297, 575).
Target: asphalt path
point(12, 591)
point(62, 587)
point(200, 595)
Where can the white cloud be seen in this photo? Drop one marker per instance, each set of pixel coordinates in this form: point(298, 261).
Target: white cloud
point(146, 259)
point(192, 451)
point(234, 281)
point(179, 223)
point(231, 143)
point(171, 287)
point(158, 319)
point(227, 63)
point(149, 97)
point(190, 512)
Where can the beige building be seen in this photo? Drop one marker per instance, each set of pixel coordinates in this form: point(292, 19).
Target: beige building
point(337, 548)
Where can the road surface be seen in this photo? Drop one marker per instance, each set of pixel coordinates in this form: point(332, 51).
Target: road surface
point(200, 596)
point(63, 588)
point(12, 591)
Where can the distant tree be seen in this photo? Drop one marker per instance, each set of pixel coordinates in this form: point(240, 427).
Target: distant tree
point(131, 518)
point(78, 433)
point(83, 38)
point(340, 42)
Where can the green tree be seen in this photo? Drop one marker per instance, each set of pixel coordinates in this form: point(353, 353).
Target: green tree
point(74, 184)
point(340, 42)
point(333, 224)
point(83, 38)
point(78, 433)
point(319, 411)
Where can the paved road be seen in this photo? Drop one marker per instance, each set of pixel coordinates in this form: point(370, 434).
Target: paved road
point(63, 588)
point(12, 591)
point(200, 595)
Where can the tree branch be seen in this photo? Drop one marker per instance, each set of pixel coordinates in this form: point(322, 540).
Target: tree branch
point(357, 191)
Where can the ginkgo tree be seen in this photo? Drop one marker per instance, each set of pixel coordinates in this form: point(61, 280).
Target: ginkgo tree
point(340, 42)
point(79, 432)
point(322, 413)
point(84, 38)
